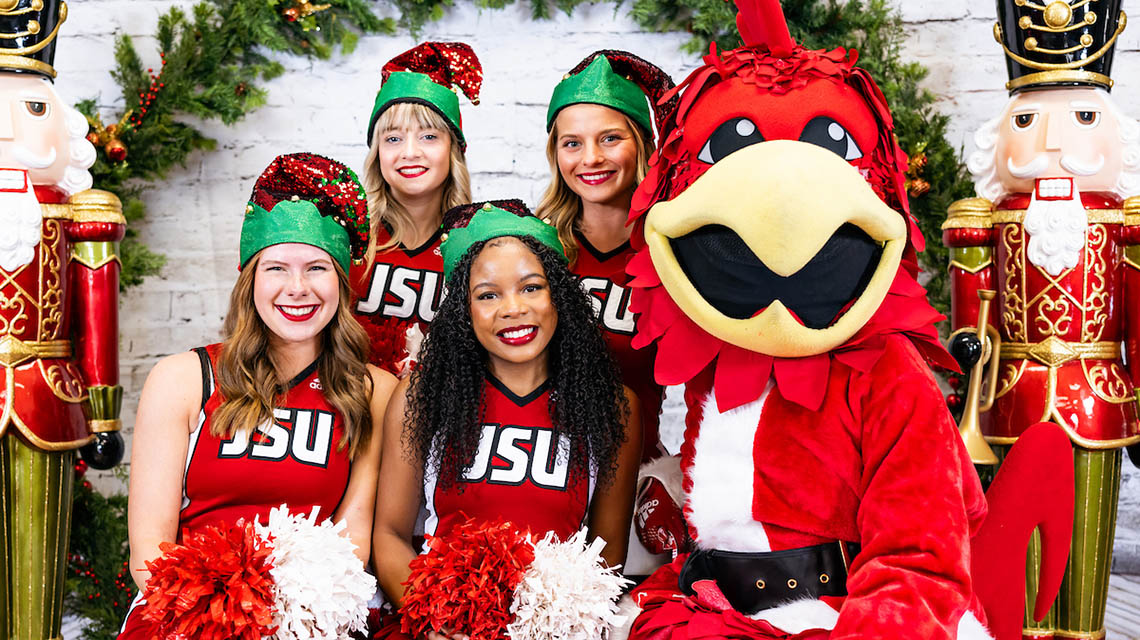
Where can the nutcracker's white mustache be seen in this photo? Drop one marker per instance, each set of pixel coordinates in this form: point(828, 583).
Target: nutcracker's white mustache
point(1040, 162)
point(30, 160)
point(1032, 169)
point(1079, 167)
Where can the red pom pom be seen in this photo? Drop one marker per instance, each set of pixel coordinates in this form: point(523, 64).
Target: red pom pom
point(389, 343)
point(213, 586)
point(465, 583)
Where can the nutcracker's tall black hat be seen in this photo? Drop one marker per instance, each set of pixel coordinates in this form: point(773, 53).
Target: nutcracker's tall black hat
point(28, 30)
point(1058, 42)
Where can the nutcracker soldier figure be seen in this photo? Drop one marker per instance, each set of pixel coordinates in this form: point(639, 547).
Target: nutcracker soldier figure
point(59, 279)
point(1056, 232)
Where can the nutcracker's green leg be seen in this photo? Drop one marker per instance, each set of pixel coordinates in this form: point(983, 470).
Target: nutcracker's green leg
point(1034, 629)
point(5, 539)
point(38, 487)
point(1084, 591)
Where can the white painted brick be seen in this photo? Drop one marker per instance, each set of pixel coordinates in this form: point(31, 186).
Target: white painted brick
point(323, 106)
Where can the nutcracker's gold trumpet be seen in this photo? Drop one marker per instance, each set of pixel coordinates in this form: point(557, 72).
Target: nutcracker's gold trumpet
point(970, 427)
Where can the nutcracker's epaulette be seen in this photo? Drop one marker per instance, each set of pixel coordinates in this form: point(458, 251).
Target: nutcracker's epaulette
point(1132, 211)
point(970, 213)
point(91, 205)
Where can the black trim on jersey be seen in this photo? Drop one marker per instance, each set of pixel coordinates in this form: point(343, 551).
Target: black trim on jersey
point(425, 246)
point(600, 256)
point(521, 401)
point(300, 377)
point(207, 375)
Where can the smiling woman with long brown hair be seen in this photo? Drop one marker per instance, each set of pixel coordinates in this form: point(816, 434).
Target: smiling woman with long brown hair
point(281, 411)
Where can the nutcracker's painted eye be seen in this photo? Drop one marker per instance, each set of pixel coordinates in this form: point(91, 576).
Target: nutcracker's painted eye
point(36, 109)
point(1086, 119)
point(829, 134)
point(1024, 121)
point(730, 136)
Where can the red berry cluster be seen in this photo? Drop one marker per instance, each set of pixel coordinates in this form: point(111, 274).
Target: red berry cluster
point(123, 589)
point(146, 98)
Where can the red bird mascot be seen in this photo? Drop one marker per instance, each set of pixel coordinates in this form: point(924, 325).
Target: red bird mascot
point(827, 491)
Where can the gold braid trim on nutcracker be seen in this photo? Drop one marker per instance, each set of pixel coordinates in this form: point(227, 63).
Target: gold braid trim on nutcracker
point(1095, 216)
point(1053, 351)
point(14, 352)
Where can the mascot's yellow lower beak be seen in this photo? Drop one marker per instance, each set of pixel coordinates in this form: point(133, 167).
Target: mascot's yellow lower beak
point(781, 248)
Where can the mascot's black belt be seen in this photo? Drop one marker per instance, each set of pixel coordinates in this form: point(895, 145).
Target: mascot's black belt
point(756, 581)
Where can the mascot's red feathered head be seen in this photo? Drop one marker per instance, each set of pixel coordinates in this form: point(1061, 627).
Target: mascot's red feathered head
point(777, 238)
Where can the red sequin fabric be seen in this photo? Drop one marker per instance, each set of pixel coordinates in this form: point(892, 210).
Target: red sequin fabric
point(447, 63)
point(460, 216)
point(330, 185)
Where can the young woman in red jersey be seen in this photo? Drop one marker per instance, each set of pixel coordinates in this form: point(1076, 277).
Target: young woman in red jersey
point(516, 410)
point(415, 170)
point(601, 138)
point(282, 410)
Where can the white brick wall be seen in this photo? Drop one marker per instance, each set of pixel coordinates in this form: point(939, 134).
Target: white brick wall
point(322, 106)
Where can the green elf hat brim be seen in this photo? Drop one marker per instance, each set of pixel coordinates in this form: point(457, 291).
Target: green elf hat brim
point(492, 222)
point(290, 221)
point(598, 84)
point(418, 88)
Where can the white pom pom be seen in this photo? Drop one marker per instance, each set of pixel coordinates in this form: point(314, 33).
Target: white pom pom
point(566, 593)
point(322, 590)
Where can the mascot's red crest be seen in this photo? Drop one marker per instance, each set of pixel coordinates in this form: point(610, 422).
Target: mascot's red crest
point(774, 234)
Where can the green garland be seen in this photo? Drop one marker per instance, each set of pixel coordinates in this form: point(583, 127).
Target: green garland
point(212, 59)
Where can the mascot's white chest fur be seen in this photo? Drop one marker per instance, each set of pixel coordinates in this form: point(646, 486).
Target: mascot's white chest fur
point(722, 475)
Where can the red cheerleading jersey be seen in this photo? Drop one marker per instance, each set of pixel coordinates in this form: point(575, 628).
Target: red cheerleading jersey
point(518, 474)
point(296, 461)
point(604, 278)
point(403, 287)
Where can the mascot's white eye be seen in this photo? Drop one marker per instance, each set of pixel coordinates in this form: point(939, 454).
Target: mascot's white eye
point(730, 136)
point(829, 134)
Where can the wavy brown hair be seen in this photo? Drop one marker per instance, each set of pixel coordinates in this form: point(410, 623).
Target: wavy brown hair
point(561, 207)
point(383, 208)
point(251, 385)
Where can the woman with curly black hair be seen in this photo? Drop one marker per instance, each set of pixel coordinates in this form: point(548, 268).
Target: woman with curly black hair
point(516, 411)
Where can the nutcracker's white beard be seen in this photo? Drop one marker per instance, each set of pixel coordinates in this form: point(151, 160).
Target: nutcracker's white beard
point(20, 215)
point(1056, 230)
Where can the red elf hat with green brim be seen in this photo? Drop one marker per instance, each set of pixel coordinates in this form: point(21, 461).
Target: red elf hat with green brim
point(307, 199)
point(425, 75)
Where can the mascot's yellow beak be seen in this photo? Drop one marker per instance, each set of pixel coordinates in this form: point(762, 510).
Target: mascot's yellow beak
point(781, 248)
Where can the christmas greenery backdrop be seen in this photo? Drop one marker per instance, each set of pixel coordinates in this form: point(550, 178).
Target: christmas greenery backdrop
point(214, 56)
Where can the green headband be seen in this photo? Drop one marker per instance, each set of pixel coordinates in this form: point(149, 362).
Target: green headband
point(493, 222)
point(293, 221)
point(418, 88)
point(598, 84)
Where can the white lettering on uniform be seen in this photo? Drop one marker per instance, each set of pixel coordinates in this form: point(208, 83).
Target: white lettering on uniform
point(411, 292)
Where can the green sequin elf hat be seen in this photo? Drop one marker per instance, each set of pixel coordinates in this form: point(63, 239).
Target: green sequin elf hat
point(308, 199)
point(425, 74)
point(468, 224)
point(619, 80)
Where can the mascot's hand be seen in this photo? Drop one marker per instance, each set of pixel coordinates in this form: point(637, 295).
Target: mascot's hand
point(659, 521)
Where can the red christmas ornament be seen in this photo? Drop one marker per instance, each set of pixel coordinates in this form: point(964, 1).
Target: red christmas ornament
point(466, 582)
point(953, 401)
point(116, 150)
point(80, 468)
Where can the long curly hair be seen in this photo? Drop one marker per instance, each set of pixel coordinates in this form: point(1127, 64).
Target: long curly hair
point(445, 410)
point(248, 378)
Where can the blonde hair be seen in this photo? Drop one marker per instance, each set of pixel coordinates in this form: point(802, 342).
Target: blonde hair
point(561, 207)
point(249, 381)
point(383, 208)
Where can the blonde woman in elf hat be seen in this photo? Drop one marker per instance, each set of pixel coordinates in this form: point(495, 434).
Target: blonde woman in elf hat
point(600, 122)
point(281, 411)
point(415, 170)
point(514, 353)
